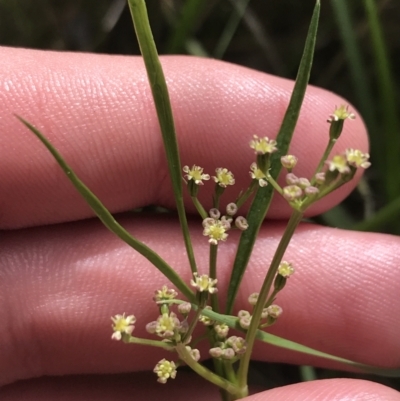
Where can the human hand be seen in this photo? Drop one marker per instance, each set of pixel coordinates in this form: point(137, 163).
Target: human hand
point(61, 283)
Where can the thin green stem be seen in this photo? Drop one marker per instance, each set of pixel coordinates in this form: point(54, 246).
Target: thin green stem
point(324, 157)
point(207, 374)
point(245, 195)
point(144, 341)
point(230, 372)
point(276, 186)
point(162, 102)
point(213, 275)
point(193, 323)
point(199, 207)
point(293, 222)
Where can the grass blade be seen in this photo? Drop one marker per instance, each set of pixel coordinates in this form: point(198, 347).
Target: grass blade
point(263, 197)
point(232, 322)
point(108, 220)
point(162, 102)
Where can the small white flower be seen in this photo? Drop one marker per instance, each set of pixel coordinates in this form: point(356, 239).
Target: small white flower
point(224, 177)
point(357, 159)
point(204, 283)
point(263, 145)
point(196, 174)
point(122, 324)
point(165, 370)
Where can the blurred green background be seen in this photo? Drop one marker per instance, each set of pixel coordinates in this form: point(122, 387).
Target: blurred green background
point(357, 56)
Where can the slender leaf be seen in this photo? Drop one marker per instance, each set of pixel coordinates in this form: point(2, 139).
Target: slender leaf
point(263, 197)
point(108, 220)
point(162, 102)
point(232, 322)
point(388, 102)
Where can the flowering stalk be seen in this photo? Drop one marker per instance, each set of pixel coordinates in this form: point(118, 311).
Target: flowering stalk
point(294, 221)
point(208, 374)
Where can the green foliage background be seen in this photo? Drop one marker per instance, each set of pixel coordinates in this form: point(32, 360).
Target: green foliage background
point(358, 57)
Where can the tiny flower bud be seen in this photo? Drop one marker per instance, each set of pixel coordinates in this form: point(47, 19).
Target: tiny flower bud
point(221, 329)
point(241, 223)
point(253, 298)
point(243, 313)
point(311, 191)
point(215, 213)
point(238, 344)
point(151, 327)
point(228, 354)
point(195, 353)
point(274, 311)
point(291, 179)
point(244, 322)
point(216, 352)
point(264, 313)
point(231, 209)
point(279, 282)
point(320, 178)
point(303, 183)
point(292, 192)
point(289, 162)
point(184, 308)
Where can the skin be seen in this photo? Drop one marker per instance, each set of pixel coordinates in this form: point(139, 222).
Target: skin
point(63, 274)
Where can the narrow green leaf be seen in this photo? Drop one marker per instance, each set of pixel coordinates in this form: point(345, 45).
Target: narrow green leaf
point(232, 322)
point(387, 104)
point(108, 220)
point(162, 102)
point(263, 197)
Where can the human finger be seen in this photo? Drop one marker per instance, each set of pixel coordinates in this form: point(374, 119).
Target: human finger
point(140, 386)
point(98, 111)
point(59, 288)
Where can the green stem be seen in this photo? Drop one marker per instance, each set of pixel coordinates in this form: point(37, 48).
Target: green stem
point(213, 275)
point(293, 222)
point(324, 157)
point(144, 341)
point(243, 198)
point(193, 324)
point(162, 102)
point(199, 207)
point(276, 186)
point(207, 374)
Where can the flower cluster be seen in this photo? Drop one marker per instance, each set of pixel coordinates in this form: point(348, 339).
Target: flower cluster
point(230, 349)
point(268, 315)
